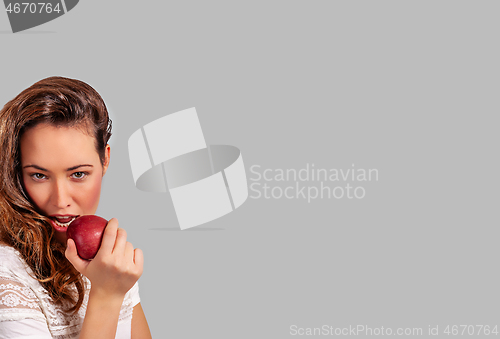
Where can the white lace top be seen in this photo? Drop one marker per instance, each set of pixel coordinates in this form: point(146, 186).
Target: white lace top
point(27, 311)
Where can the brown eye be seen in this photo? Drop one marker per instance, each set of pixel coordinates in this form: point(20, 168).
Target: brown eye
point(79, 175)
point(38, 176)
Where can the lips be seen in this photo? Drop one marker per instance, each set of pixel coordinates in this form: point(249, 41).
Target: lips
point(61, 222)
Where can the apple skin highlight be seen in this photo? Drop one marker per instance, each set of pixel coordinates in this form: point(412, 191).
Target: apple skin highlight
point(87, 231)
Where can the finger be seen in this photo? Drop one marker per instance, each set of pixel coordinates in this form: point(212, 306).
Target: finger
point(121, 241)
point(139, 260)
point(72, 255)
point(109, 237)
point(129, 253)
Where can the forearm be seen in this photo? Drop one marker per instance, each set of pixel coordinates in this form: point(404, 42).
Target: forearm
point(101, 317)
point(140, 328)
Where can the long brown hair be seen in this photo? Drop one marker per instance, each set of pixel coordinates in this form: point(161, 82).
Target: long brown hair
point(60, 102)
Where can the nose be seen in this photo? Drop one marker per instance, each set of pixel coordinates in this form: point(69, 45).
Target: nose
point(61, 195)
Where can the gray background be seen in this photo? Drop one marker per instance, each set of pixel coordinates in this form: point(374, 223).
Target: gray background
point(407, 87)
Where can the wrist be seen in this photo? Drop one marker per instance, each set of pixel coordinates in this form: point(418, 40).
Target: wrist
point(105, 296)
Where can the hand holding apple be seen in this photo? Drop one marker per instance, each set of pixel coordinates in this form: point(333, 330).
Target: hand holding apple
point(87, 231)
point(116, 266)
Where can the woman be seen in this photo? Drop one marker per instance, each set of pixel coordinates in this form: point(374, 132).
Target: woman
point(54, 152)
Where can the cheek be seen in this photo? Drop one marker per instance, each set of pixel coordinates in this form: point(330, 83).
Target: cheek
point(92, 195)
point(36, 193)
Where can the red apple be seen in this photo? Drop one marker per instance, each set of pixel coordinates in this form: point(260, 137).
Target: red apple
point(87, 232)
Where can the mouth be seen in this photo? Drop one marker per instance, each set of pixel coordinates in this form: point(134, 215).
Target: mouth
point(61, 223)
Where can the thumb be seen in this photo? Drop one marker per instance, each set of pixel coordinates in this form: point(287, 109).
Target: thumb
point(72, 255)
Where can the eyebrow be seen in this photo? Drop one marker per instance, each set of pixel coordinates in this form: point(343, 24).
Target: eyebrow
point(68, 169)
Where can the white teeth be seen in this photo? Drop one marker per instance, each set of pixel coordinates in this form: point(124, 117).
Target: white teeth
point(66, 224)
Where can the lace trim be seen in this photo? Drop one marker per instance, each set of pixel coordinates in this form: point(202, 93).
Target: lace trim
point(18, 301)
point(12, 295)
point(22, 297)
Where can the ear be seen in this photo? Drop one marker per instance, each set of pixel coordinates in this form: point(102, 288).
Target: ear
point(106, 159)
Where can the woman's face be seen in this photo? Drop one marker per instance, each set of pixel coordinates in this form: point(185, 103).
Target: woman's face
point(62, 173)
